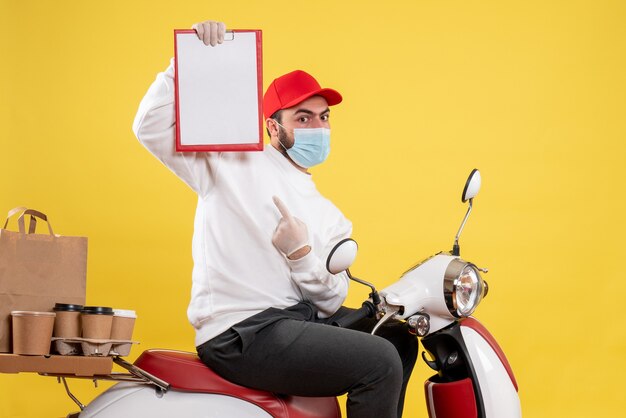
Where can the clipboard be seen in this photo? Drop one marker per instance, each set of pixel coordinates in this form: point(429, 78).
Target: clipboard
point(219, 93)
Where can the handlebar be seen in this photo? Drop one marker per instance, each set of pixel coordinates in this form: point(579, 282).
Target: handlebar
point(367, 310)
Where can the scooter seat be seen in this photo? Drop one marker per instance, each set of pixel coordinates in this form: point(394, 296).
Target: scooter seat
point(185, 372)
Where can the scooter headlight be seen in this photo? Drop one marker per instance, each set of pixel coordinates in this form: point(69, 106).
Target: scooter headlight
point(463, 288)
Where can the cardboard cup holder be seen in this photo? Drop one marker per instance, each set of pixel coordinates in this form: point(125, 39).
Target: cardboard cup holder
point(92, 346)
point(105, 332)
point(74, 330)
point(121, 349)
point(66, 348)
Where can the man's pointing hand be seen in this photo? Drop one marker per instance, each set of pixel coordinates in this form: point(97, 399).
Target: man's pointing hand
point(291, 236)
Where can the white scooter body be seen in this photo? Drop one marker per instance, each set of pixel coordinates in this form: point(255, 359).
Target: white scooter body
point(421, 289)
point(177, 384)
point(497, 384)
point(135, 400)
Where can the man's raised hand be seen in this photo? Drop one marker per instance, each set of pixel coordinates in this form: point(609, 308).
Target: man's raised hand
point(210, 32)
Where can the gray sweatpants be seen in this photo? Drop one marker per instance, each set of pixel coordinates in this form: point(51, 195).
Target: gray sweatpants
point(292, 352)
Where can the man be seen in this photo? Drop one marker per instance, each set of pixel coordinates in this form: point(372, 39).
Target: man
point(262, 301)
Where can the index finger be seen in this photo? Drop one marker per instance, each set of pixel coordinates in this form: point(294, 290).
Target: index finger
point(281, 207)
point(199, 30)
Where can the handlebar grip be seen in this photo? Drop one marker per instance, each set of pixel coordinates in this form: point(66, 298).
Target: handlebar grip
point(367, 310)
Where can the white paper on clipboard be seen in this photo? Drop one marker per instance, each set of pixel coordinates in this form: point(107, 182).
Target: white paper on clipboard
point(219, 92)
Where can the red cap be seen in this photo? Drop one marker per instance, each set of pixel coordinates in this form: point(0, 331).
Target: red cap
point(292, 88)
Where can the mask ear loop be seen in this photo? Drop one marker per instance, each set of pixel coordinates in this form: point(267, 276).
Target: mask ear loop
point(279, 141)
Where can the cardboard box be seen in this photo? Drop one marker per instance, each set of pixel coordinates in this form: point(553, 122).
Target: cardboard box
point(76, 365)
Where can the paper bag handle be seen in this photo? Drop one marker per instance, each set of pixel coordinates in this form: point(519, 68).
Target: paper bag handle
point(34, 214)
point(12, 212)
point(33, 219)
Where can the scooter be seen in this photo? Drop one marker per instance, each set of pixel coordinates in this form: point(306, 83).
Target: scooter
point(436, 298)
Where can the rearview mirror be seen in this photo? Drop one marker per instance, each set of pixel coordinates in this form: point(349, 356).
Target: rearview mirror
point(472, 186)
point(342, 256)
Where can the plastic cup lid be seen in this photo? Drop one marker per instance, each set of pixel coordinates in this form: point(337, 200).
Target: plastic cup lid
point(32, 313)
point(125, 313)
point(67, 307)
point(97, 310)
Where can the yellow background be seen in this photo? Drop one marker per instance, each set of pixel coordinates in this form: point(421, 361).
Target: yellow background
point(531, 92)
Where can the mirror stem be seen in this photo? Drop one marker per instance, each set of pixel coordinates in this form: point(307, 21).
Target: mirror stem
point(456, 249)
point(374, 295)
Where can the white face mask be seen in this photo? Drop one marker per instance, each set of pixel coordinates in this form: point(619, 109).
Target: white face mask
point(311, 146)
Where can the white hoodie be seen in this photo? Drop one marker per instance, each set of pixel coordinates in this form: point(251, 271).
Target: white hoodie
point(237, 270)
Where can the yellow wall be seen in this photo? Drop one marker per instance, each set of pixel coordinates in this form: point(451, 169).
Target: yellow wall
point(531, 92)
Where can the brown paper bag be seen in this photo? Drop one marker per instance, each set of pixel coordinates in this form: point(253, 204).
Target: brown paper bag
point(38, 270)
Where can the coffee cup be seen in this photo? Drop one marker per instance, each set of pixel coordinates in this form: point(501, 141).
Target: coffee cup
point(97, 322)
point(67, 323)
point(123, 324)
point(32, 332)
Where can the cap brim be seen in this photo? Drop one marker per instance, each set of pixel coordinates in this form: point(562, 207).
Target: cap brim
point(332, 97)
